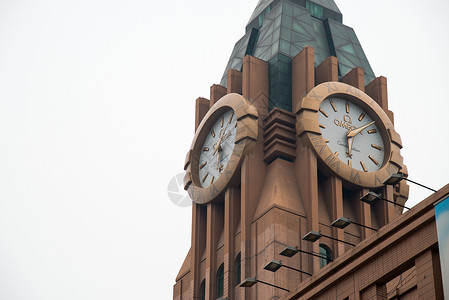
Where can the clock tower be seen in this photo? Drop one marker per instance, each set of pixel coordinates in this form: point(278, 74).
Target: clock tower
point(297, 131)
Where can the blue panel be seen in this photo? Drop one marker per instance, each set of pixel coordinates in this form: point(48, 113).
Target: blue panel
point(442, 220)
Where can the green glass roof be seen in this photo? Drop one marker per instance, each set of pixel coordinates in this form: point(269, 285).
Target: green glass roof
point(330, 4)
point(280, 29)
point(259, 8)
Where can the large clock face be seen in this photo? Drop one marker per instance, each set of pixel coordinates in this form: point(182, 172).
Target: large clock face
point(217, 148)
point(227, 133)
point(351, 134)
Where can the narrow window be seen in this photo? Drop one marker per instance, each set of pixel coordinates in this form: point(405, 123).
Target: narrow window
point(203, 290)
point(220, 280)
point(238, 269)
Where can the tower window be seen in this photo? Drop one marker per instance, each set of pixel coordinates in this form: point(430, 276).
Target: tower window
point(326, 253)
point(203, 290)
point(238, 269)
point(220, 281)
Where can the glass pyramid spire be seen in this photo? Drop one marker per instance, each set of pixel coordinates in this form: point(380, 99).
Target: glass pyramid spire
point(280, 29)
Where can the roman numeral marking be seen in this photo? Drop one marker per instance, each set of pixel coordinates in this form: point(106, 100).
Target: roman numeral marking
point(205, 149)
point(373, 160)
point(347, 108)
point(355, 177)
point(353, 91)
point(212, 180)
point(362, 115)
point(324, 113)
point(391, 169)
point(322, 126)
point(377, 180)
point(363, 166)
point(314, 95)
point(221, 122)
point(326, 141)
point(230, 119)
point(318, 143)
point(376, 147)
point(213, 191)
point(331, 87)
point(331, 157)
point(238, 150)
point(333, 106)
point(349, 163)
point(197, 194)
point(203, 165)
point(205, 176)
point(212, 132)
point(372, 131)
point(333, 162)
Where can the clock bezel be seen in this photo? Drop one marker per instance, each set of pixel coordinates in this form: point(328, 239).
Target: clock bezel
point(246, 136)
point(307, 127)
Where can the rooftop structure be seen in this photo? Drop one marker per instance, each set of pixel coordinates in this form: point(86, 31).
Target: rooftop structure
point(279, 29)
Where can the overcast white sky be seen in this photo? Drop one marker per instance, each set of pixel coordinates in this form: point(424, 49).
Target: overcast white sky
point(96, 116)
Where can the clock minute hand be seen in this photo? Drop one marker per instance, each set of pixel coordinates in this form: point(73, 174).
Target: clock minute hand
point(354, 132)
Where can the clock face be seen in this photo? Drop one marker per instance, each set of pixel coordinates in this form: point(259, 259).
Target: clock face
point(217, 148)
point(227, 133)
point(351, 134)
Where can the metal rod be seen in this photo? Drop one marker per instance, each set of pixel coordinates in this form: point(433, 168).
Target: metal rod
point(294, 269)
point(317, 255)
point(329, 237)
point(395, 203)
point(420, 185)
point(363, 225)
point(272, 285)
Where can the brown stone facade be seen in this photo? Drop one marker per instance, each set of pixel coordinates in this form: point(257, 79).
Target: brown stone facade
point(283, 192)
point(400, 261)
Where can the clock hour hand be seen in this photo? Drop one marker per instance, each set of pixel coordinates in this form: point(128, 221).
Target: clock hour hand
point(354, 132)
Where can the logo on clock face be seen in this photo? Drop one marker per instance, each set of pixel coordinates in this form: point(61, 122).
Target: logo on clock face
point(346, 123)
